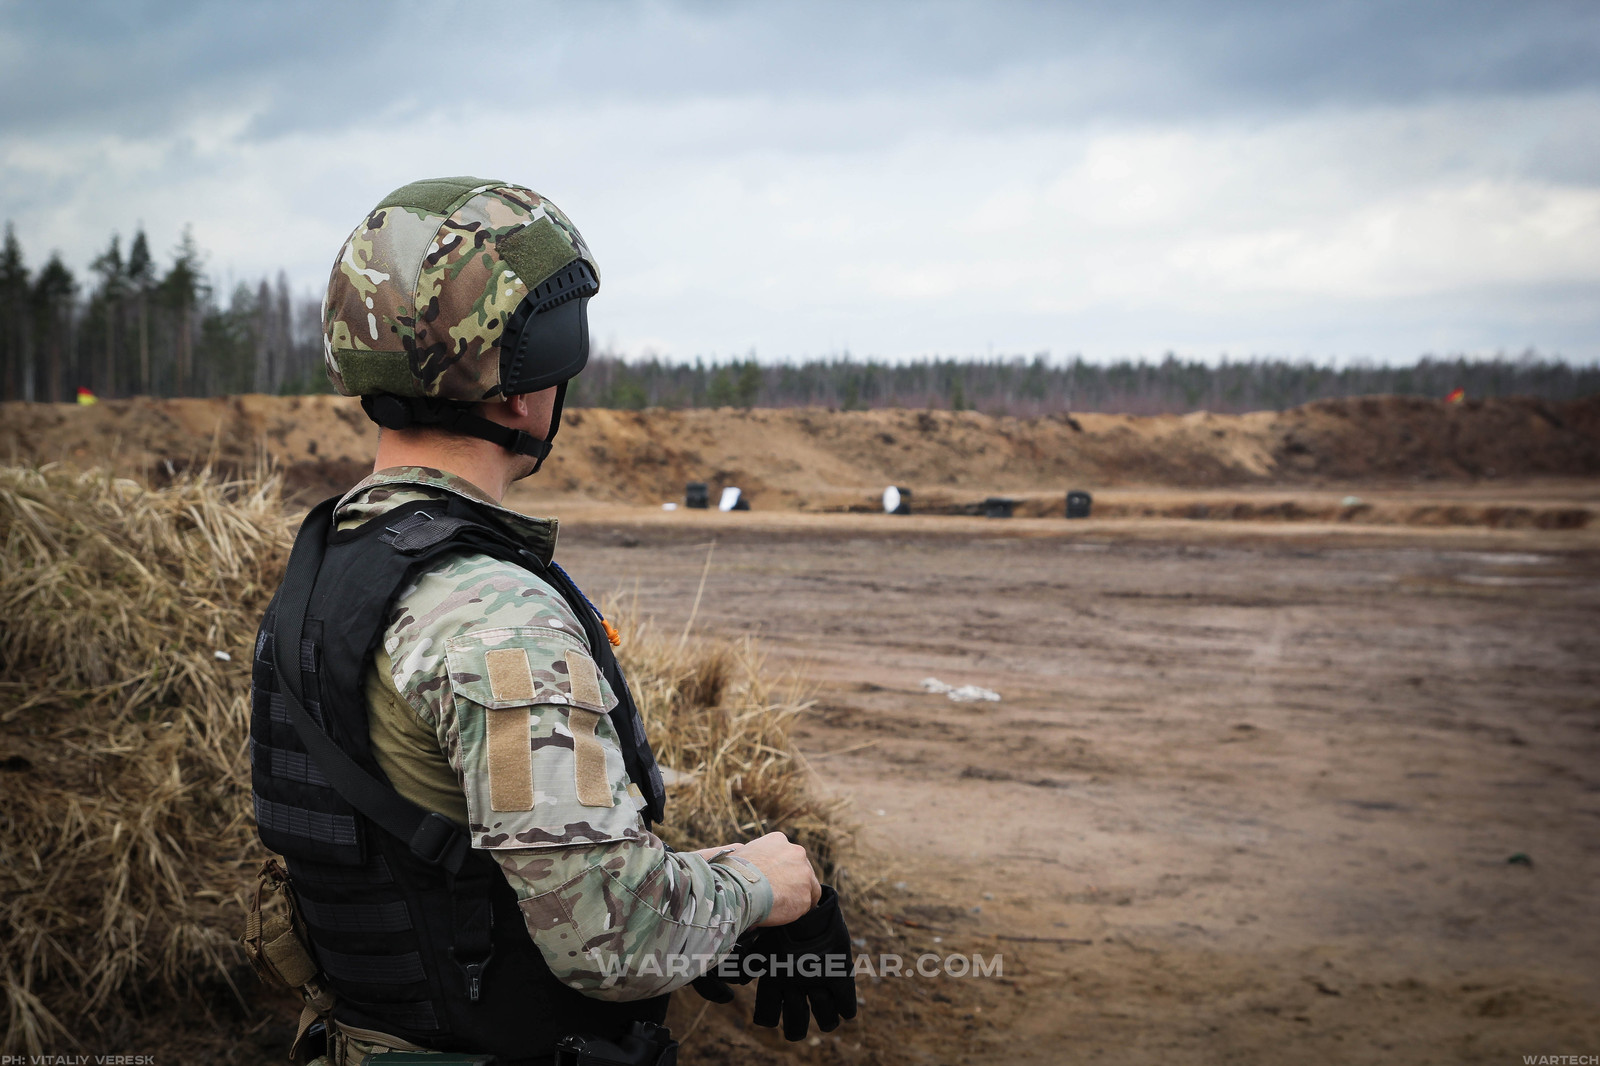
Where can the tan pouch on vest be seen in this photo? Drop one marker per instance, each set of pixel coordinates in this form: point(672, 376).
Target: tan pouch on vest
point(275, 943)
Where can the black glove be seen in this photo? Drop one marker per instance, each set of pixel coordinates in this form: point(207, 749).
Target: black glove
point(713, 984)
point(795, 982)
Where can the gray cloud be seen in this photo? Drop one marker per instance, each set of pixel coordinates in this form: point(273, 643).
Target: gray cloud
point(139, 68)
point(142, 66)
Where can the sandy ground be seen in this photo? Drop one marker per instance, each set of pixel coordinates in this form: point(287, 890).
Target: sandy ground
point(1250, 794)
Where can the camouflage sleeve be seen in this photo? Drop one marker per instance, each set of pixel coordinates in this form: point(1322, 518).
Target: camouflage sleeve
point(632, 920)
point(520, 713)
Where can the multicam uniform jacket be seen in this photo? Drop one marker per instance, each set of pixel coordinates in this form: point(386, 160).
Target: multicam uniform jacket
point(477, 646)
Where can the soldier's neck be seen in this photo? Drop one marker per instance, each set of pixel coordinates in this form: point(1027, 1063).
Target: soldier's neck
point(486, 465)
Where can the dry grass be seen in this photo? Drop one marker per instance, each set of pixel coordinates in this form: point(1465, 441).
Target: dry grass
point(126, 833)
point(126, 843)
point(720, 724)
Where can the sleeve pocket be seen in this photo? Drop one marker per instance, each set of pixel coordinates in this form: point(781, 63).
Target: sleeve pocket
point(519, 665)
point(540, 760)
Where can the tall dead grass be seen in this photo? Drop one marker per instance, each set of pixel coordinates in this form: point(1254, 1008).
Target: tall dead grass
point(720, 723)
point(126, 836)
point(126, 842)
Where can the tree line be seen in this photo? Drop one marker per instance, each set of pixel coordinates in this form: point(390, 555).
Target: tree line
point(1038, 386)
point(134, 326)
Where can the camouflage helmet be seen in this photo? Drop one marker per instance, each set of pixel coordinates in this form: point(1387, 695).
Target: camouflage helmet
point(458, 289)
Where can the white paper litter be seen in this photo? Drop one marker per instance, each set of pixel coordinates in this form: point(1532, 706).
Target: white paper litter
point(961, 694)
point(222, 657)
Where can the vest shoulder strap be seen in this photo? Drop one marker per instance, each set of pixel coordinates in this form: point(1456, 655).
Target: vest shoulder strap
point(432, 837)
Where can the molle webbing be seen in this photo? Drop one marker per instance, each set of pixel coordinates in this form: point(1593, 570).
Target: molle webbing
point(372, 969)
point(390, 917)
point(297, 767)
point(338, 830)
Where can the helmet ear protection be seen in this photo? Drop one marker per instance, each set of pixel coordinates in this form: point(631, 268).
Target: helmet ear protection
point(546, 339)
point(545, 343)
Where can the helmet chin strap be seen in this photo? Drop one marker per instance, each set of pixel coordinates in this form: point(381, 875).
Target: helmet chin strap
point(555, 423)
point(406, 412)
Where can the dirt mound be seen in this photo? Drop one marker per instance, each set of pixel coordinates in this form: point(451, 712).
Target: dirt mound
point(813, 459)
point(1383, 437)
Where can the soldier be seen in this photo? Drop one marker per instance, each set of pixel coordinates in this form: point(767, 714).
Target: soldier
point(443, 748)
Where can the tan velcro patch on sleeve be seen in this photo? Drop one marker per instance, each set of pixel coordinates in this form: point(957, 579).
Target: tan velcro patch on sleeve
point(589, 765)
point(743, 867)
point(510, 751)
point(510, 759)
point(585, 680)
point(509, 675)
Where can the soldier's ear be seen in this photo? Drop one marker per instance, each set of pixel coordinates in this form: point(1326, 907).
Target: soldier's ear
point(516, 407)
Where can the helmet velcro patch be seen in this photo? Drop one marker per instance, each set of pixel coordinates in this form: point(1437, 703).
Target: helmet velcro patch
point(367, 373)
point(536, 251)
point(437, 196)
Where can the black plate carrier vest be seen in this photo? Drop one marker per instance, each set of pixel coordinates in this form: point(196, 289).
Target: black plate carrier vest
point(418, 933)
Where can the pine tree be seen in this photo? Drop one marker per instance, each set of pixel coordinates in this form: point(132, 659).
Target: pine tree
point(183, 290)
point(265, 335)
point(229, 344)
point(54, 291)
point(141, 274)
point(958, 394)
point(748, 388)
point(720, 389)
point(16, 350)
point(283, 330)
point(112, 292)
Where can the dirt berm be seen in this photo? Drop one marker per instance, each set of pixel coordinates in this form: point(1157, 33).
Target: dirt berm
point(812, 459)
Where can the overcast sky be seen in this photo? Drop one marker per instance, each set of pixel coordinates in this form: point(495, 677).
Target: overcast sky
point(1335, 181)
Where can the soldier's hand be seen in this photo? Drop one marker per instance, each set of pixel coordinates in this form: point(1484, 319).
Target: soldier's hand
point(795, 889)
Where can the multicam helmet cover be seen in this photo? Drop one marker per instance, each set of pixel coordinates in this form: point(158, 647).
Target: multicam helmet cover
point(423, 288)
